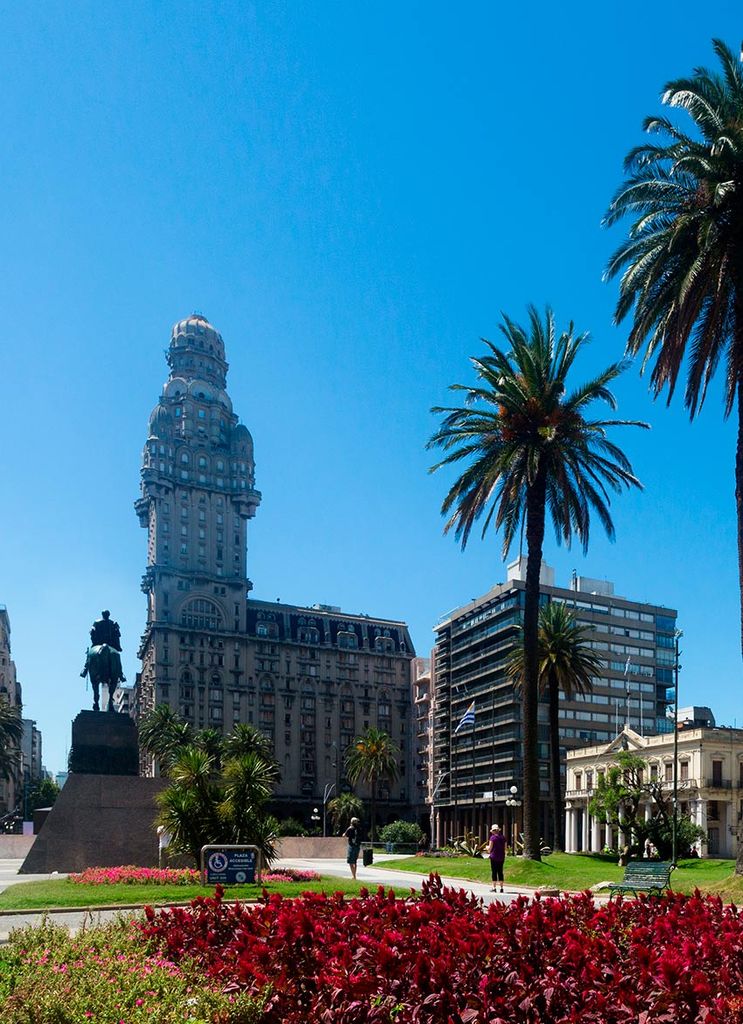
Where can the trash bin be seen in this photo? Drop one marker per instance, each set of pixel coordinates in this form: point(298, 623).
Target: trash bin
point(368, 857)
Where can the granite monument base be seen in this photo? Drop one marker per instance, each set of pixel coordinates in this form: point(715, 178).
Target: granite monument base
point(104, 743)
point(98, 821)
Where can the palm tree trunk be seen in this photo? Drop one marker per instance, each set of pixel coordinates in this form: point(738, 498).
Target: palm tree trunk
point(557, 812)
point(739, 511)
point(535, 500)
point(373, 805)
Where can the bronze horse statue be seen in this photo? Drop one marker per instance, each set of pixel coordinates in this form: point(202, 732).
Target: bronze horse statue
point(103, 666)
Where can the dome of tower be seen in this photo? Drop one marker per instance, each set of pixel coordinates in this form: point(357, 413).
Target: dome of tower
point(160, 422)
point(197, 333)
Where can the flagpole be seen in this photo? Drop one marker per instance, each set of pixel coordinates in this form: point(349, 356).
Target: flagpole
point(474, 792)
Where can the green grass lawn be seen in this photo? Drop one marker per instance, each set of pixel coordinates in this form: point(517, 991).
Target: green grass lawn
point(575, 872)
point(61, 892)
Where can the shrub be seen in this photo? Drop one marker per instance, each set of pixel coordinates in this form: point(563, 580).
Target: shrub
point(291, 827)
point(130, 875)
point(401, 832)
point(442, 957)
point(107, 975)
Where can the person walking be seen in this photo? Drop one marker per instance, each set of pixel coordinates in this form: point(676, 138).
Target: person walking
point(497, 854)
point(353, 836)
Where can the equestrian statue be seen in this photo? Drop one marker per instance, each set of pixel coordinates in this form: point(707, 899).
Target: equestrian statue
point(103, 659)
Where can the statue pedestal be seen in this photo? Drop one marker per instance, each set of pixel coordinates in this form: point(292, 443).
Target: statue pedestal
point(104, 743)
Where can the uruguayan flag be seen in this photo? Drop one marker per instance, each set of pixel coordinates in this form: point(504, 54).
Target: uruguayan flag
point(468, 718)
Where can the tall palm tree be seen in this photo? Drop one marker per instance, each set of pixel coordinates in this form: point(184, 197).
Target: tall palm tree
point(681, 264)
point(371, 757)
point(529, 449)
point(11, 731)
point(567, 663)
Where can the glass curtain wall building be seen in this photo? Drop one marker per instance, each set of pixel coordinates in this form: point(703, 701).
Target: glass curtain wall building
point(476, 767)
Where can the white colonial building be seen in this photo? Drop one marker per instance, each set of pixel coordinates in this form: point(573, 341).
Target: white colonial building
point(710, 785)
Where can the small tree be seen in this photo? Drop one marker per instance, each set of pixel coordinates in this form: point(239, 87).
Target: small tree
point(342, 808)
point(371, 757)
point(624, 789)
point(42, 794)
point(401, 832)
point(220, 787)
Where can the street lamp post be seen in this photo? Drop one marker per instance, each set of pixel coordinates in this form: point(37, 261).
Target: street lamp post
point(315, 816)
point(674, 823)
point(329, 787)
point(512, 803)
point(432, 819)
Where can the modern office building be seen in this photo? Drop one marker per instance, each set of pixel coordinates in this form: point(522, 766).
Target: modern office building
point(10, 691)
point(709, 784)
point(311, 678)
point(477, 767)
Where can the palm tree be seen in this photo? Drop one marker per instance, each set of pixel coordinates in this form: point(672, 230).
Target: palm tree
point(681, 265)
point(342, 808)
point(11, 731)
point(249, 782)
point(247, 739)
point(529, 449)
point(163, 734)
point(371, 757)
point(567, 663)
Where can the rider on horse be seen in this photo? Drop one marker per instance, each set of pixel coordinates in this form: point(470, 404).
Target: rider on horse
point(103, 661)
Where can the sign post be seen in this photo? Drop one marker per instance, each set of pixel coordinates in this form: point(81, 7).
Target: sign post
point(222, 864)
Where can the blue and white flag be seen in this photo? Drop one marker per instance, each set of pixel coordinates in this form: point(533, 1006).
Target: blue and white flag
point(468, 718)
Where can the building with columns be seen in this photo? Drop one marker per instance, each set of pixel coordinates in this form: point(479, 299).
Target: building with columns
point(709, 785)
point(311, 678)
point(476, 767)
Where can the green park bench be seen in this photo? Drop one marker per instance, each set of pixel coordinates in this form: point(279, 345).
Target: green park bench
point(650, 876)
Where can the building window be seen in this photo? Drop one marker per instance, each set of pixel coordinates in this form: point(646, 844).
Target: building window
point(201, 614)
point(684, 771)
point(347, 639)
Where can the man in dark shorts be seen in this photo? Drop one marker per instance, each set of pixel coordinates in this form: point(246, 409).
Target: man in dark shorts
point(497, 854)
point(353, 836)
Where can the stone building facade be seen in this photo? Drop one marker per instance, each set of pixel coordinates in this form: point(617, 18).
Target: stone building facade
point(317, 678)
point(709, 785)
point(11, 789)
point(310, 678)
point(197, 496)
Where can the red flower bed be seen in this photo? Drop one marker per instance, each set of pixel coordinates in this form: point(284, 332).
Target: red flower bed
point(443, 959)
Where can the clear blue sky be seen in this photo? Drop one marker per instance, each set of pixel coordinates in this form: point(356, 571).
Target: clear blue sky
point(351, 193)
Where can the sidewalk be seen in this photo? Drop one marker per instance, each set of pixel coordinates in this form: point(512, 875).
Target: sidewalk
point(371, 876)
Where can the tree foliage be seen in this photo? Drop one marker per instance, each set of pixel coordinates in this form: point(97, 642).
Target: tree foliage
point(620, 798)
point(370, 758)
point(11, 731)
point(531, 450)
point(219, 786)
point(342, 808)
point(681, 264)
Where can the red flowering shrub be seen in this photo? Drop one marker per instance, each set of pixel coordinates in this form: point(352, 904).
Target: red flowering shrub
point(442, 959)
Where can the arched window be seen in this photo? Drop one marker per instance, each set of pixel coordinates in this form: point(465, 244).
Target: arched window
point(201, 614)
point(308, 635)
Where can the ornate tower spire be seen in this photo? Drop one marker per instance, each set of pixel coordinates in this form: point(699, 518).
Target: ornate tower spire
point(198, 491)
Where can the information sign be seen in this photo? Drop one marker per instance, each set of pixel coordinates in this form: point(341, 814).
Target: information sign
point(229, 865)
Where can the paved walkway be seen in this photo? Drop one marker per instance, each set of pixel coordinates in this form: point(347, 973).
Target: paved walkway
point(371, 876)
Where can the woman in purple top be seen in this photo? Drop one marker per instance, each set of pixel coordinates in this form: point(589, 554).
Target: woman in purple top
point(497, 854)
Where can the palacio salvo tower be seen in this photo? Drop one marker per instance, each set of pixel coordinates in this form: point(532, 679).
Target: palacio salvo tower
point(198, 492)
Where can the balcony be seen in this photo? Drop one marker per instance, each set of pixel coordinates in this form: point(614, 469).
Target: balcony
point(714, 783)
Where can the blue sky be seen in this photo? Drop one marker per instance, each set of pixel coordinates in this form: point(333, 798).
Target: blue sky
point(351, 193)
